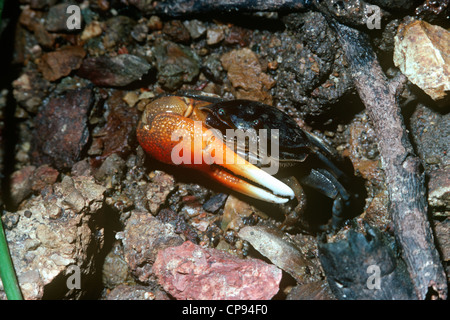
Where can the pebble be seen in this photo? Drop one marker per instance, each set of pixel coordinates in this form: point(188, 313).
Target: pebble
point(115, 71)
point(195, 273)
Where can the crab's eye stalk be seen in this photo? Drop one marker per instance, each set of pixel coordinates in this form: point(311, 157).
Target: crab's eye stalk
point(256, 122)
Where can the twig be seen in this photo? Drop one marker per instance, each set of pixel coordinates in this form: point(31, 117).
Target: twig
point(176, 8)
point(405, 183)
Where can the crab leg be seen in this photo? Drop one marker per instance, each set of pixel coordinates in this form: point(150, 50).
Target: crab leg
point(158, 134)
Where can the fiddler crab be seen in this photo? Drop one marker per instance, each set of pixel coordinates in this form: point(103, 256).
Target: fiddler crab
point(202, 133)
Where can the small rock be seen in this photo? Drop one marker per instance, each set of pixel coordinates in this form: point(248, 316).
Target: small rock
point(143, 236)
point(194, 273)
point(113, 71)
point(439, 191)
point(195, 27)
point(176, 31)
point(81, 168)
point(377, 213)
point(57, 64)
point(118, 135)
point(131, 98)
point(318, 290)
point(30, 89)
point(176, 65)
point(32, 20)
point(422, 52)
point(140, 32)
point(234, 213)
point(111, 170)
point(42, 177)
point(215, 35)
point(154, 23)
point(61, 130)
point(92, 30)
point(159, 188)
point(238, 35)
point(179, 223)
point(215, 202)
point(21, 184)
point(284, 254)
point(118, 31)
point(57, 16)
point(431, 133)
point(246, 75)
point(9, 219)
point(363, 150)
point(137, 292)
point(115, 270)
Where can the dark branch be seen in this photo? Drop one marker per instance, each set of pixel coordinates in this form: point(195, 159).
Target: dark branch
point(405, 183)
point(177, 8)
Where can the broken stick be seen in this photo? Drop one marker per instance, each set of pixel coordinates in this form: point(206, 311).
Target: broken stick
point(405, 182)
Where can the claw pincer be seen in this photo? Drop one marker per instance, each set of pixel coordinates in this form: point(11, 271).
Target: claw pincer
point(173, 130)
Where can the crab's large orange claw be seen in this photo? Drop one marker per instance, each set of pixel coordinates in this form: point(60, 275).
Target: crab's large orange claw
point(172, 138)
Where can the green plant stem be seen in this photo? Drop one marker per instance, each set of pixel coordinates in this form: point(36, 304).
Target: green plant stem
point(7, 273)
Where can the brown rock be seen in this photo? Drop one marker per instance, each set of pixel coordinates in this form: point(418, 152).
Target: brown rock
point(32, 20)
point(238, 35)
point(42, 177)
point(118, 135)
point(57, 64)
point(21, 184)
point(143, 237)
point(235, 211)
point(161, 186)
point(246, 75)
point(176, 31)
point(363, 150)
point(195, 273)
point(377, 211)
point(113, 71)
point(111, 169)
point(318, 290)
point(61, 130)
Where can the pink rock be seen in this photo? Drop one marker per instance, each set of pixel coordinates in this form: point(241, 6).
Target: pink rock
point(195, 273)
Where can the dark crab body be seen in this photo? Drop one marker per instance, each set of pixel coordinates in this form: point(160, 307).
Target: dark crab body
point(296, 146)
point(246, 115)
